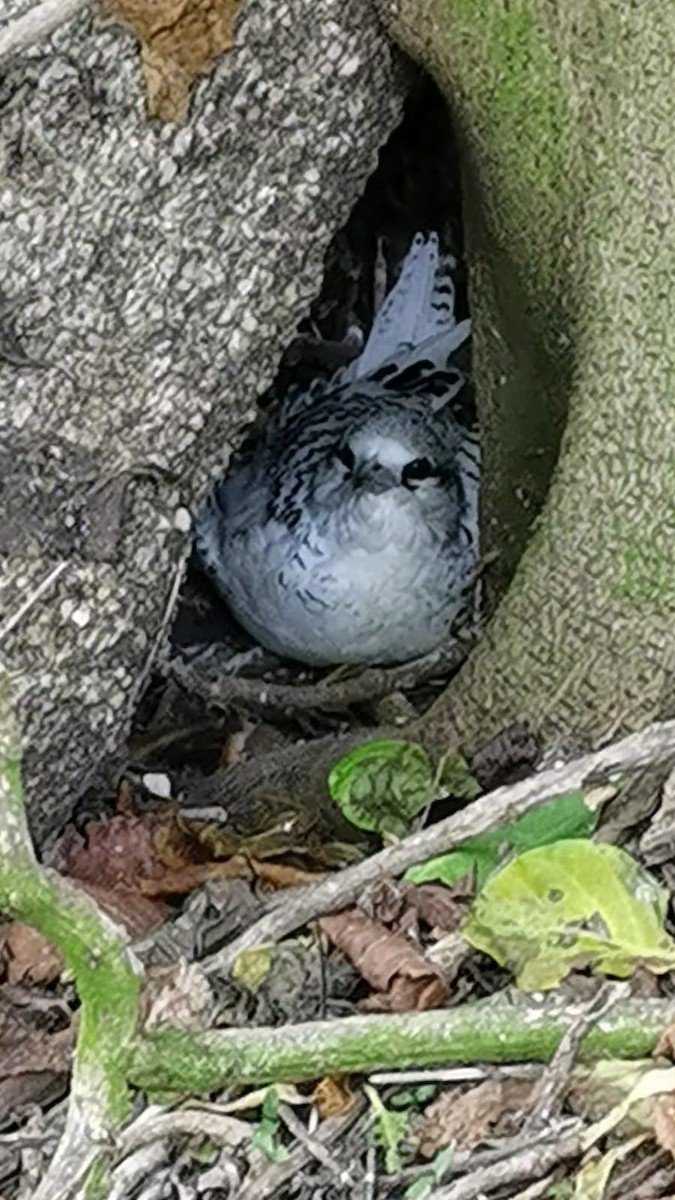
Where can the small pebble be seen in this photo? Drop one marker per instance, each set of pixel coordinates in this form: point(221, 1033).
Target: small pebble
point(158, 785)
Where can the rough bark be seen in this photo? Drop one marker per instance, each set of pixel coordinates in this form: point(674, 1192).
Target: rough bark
point(566, 113)
point(160, 271)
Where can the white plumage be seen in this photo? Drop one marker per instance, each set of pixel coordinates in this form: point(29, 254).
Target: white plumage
point(349, 531)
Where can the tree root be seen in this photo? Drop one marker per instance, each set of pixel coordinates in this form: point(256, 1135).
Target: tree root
point(335, 693)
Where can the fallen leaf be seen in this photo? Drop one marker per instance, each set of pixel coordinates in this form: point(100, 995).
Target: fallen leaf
point(27, 956)
point(180, 881)
point(664, 1122)
point(561, 819)
point(179, 843)
point(252, 966)
point(279, 875)
point(332, 1097)
point(115, 852)
point(464, 1119)
point(183, 880)
point(382, 785)
point(138, 914)
point(30, 958)
point(35, 1057)
point(441, 908)
point(405, 906)
point(574, 904)
point(179, 995)
point(591, 1180)
point(388, 961)
point(180, 39)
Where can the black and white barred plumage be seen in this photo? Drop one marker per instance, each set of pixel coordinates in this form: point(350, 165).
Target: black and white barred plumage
point(349, 532)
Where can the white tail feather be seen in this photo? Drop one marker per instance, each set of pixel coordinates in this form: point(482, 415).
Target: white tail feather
point(417, 318)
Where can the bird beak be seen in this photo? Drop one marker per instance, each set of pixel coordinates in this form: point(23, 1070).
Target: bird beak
point(371, 476)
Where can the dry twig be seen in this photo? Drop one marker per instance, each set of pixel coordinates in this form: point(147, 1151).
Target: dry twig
point(525, 1165)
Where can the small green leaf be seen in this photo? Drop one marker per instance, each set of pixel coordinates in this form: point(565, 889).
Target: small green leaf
point(419, 1187)
point(573, 904)
point(266, 1133)
point(390, 1129)
point(457, 779)
point(438, 1167)
point(381, 786)
point(252, 966)
point(412, 1097)
point(562, 818)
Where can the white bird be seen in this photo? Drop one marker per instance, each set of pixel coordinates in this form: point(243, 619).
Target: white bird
point(349, 531)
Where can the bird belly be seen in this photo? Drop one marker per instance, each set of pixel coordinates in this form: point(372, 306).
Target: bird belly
point(386, 596)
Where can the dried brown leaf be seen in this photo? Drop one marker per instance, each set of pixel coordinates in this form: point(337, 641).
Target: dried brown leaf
point(407, 905)
point(138, 914)
point(333, 1097)
point(113, 853)
point(28, 957)
point(387, 961)
point(179, 41)
point(179, 881)
point(280, 875)
point(664, 1122)
point(441, 908)
point(464, 1119)
point(35, 1058)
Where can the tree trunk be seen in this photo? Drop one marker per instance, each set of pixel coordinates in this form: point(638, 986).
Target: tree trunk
point(566, 114)
point(159, 271)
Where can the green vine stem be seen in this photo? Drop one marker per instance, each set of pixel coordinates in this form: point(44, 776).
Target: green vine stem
point(94, 949)
point(507, 1028)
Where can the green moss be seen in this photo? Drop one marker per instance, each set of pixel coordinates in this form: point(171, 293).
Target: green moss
point(647, 573)
point(107, 986)
point(520, 114)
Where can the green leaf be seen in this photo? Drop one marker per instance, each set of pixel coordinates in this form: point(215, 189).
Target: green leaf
point(572, 904)
point(266, 1133)
point(252, 966)
point(438, 1167)
point(390, 1129)
point(413, 1097)
point(559, 819)
point(457, 779)
point(419, 1187)
point(381, 786)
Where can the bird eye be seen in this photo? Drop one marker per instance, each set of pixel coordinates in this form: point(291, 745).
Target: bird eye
point(346, 456)
point(417, 469)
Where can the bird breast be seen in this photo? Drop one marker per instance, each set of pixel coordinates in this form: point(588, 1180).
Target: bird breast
point(367, 584)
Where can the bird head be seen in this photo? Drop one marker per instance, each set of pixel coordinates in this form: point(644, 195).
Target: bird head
point(375, 463)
